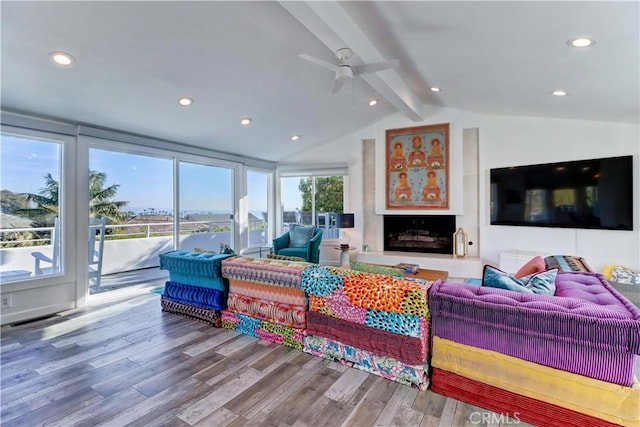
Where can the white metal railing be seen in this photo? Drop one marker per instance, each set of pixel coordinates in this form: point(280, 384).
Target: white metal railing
point(133, 251)
point(146, 231)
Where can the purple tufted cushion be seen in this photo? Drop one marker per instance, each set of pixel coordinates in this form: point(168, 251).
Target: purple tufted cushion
point(585, 294)
point(594, 314)
point(587, 328)
point(597, 297)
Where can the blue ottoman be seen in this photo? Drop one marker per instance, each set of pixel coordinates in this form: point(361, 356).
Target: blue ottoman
point(196, 288)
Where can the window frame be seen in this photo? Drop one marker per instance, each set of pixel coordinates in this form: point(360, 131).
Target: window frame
point(311, 171)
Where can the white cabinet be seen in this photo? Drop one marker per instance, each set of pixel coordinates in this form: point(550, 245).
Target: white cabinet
point(511, 261)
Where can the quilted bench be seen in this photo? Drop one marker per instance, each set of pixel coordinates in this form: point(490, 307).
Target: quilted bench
point(265, 299)
point(196, 287)
point(372, 322)
point(565, 359)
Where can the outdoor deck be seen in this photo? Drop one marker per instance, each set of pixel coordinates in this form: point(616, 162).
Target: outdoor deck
point(127, 279)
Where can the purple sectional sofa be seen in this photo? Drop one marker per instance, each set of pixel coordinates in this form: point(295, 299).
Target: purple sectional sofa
point(586, 333)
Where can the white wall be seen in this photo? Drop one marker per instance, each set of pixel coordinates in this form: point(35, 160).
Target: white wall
point(504, 141)
point(512, 141)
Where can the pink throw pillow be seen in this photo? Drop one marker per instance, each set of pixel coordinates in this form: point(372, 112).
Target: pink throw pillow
point(534, 265)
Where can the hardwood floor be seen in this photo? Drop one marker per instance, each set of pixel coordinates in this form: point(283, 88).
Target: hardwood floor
point(122, 361)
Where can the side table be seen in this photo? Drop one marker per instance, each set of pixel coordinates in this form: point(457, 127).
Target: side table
point(268, 249)
point(344, 254)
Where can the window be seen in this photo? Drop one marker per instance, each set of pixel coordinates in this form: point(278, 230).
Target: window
point(258, 206)
point(31, 209)
point(313, 199)
point(206, 207)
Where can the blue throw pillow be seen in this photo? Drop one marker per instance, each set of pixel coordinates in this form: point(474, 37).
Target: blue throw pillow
point(542, 283)
point(300, 235)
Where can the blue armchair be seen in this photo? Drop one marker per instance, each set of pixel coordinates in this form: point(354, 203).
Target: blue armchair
point(294, 243)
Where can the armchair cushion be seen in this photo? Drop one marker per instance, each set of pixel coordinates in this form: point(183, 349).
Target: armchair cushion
point(300, 235)
point(294, 252)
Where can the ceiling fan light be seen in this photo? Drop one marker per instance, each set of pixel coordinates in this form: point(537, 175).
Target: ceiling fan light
point(344, 72)
point(295, 137)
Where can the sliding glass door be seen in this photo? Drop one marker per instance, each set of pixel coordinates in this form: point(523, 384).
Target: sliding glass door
point(133, 192)
point(206, 201)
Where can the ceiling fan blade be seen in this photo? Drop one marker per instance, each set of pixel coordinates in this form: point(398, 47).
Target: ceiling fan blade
point(318, 61)
point(376, 66)
point(338, 83)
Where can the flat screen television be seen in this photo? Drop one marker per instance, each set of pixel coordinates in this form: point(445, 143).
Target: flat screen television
point(594, 194)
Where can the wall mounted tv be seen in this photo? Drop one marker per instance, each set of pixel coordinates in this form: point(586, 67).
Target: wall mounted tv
point(595, 194)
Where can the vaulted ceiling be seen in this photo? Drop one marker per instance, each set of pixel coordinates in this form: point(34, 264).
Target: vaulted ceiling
point(133, 60)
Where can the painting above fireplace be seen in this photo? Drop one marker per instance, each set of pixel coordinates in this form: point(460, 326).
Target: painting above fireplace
point(419, 233)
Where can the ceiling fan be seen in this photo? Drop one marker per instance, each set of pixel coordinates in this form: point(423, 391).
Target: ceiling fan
point(345, 72)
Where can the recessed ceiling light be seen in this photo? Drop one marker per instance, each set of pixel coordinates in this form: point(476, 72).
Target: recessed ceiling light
point(61, 58)
point(373, 102)
point(559, 93)
point(435, 89)
point(185, 101)
point(245, 121)
point(295, 137)
point(581, 42)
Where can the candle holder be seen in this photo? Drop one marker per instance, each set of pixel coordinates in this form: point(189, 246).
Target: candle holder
point(460, 242)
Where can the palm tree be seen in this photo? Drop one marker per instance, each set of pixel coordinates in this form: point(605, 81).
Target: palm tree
point(100, 201)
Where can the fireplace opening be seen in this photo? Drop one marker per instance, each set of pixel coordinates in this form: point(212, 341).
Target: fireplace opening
point(419, 233)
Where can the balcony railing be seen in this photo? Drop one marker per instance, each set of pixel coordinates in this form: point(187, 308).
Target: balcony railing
point(118, 231)
point(130, 247)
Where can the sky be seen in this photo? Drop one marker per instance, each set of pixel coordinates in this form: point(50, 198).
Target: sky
point(144, 181)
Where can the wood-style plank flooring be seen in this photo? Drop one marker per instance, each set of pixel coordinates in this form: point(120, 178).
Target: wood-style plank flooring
point(121, 361)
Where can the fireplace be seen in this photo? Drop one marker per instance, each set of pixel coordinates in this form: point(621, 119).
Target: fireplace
point(419, 233)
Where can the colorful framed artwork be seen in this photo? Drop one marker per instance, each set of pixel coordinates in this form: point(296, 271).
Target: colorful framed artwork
point(417, 167)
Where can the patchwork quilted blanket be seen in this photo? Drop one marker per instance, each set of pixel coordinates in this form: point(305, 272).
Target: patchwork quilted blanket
point(386, 367)
point(269, 292)
point(409, 350)
point(263, 329)
point(275, 312)
point(269, 271)
point(393, 304)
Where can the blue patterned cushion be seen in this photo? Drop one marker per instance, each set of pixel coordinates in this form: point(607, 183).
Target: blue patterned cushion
point(542, 283)
point(300, 235)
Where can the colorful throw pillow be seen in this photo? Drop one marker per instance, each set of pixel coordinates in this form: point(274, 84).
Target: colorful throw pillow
point(203, 250)
point(299, 235)
point(534, 265)
point(285, 258)
point(376, 269)
point(625, 276)
point(226, 249)
point(542, 283)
